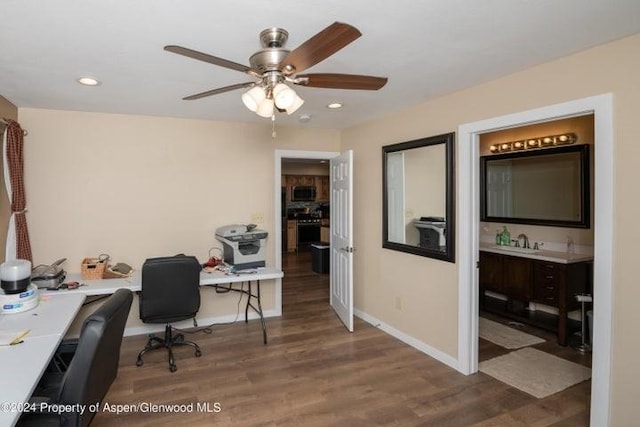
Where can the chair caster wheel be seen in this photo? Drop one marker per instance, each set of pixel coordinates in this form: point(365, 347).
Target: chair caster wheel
point(198, 353)
point(139, 362)
point(173, 368)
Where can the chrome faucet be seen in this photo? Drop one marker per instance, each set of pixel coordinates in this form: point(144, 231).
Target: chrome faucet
point(525, 243)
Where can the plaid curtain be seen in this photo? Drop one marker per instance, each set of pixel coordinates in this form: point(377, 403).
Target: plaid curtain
point(15, 161)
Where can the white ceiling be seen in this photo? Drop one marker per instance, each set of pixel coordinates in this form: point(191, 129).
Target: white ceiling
point(426, 48)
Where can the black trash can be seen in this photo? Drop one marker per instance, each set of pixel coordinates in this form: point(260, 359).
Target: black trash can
point(320, 257)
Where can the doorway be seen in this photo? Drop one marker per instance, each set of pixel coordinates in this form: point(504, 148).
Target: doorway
point(468, 202)
point(279, 233)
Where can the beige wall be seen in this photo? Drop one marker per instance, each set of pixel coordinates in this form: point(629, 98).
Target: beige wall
point(137, 187)
point(429, 287)
point(7, 111)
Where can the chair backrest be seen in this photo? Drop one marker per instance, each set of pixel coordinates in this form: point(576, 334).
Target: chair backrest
point(95, 363)
point(170, 289)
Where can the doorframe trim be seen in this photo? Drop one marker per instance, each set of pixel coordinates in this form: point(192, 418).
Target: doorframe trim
point(468, 235)
point(277, 226)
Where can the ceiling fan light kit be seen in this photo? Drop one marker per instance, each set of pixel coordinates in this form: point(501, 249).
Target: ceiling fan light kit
point(253, 97)
point(273, 65)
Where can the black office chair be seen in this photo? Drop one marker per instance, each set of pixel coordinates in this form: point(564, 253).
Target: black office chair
point(92, 369)
point(170, 293)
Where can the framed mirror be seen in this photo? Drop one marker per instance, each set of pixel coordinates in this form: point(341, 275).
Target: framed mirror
point(547, 187)
point(418, 197)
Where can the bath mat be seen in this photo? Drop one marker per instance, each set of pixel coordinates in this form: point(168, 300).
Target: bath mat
point(535, 372)
point(505, 336)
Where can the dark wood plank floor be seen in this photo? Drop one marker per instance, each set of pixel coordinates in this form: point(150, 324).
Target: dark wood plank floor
point(314, 373)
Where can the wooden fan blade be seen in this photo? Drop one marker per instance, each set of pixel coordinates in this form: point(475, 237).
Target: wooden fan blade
point(219, 90)
point(319, 47)
point(210, 59)
point(342, 81)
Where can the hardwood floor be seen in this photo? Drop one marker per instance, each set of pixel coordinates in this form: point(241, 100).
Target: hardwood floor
point(314, 373)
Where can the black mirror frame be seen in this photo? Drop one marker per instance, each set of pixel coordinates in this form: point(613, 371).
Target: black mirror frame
point(585, 177)
point(449, 254)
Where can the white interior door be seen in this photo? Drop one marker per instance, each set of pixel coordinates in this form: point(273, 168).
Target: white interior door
point(341, 261)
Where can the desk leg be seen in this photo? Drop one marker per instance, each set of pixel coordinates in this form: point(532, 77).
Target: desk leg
point(257, 309)
point(264, 324)
point(246, 309)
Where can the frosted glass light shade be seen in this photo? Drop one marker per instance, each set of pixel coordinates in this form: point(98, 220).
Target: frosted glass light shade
point(265, 108)
point(297, 103)
point(284, 96)
point(253, 97)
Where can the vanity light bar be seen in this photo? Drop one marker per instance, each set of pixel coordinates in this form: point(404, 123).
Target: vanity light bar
point(533, 143)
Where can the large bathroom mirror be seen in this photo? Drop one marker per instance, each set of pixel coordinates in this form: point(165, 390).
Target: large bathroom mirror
point(541, 187)
point(418, 197)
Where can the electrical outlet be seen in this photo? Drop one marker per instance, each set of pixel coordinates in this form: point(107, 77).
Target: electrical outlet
point(398, 303)
point(257, 218)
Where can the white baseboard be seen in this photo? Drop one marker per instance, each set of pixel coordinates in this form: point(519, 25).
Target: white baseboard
point(202, 322)
point(417, 344)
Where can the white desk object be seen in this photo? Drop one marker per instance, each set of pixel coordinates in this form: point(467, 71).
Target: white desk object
point(23, 364)
point(104, 287)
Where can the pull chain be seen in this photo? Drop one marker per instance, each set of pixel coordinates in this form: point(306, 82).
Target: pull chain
point(273, 126)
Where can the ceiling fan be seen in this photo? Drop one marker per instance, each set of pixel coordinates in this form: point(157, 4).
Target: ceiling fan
point(274, 65)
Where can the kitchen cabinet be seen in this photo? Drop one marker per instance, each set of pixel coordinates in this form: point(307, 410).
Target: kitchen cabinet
point(522, 281)
point(322, 188)
point(296, 180)
point(292, 235)
point(325, 234)
point(290, 181)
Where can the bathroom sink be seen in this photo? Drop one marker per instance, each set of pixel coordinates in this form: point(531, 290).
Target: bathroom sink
point(518, 249)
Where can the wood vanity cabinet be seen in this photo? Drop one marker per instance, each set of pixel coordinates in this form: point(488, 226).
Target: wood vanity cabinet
point(534, 281)
point(491, 272)
point(507, 275)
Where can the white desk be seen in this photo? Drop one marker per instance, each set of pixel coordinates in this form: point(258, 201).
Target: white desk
point(22, 364)
point(104, 287)
point(134, 283)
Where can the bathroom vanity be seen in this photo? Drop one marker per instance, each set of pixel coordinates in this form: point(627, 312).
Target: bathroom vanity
point(512, 282)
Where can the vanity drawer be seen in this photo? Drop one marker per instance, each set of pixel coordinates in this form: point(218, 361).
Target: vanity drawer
point(547, 279)
point(546, 294)
point(547, 272)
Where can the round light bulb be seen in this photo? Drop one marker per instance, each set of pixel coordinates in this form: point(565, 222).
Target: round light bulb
point(493, 148)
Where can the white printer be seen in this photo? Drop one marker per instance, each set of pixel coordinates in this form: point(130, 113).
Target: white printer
point(243, 245)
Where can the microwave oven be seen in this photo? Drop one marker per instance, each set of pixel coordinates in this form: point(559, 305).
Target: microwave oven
point(303, 194)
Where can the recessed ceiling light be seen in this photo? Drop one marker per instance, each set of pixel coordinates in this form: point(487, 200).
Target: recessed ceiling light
point(88, 81)
point(304, 118)
point(334, 105)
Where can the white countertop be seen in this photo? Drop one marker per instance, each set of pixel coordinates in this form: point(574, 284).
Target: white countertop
point(543, 255)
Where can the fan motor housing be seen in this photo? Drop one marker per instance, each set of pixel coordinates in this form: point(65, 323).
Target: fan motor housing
point(267, 59)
